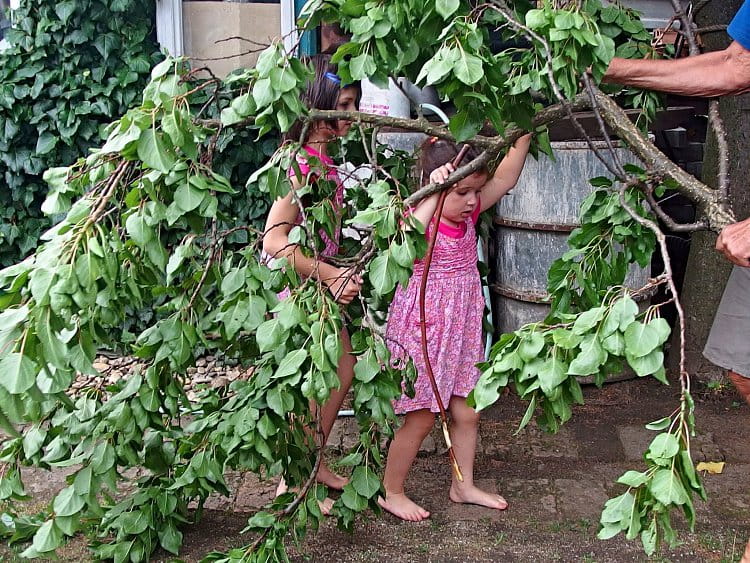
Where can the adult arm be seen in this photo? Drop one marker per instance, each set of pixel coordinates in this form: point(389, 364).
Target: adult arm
point(734, 243)
point(718, 73)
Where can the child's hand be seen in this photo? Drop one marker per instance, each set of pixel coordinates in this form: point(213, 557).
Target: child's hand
point(441, 173)
point(344, 285)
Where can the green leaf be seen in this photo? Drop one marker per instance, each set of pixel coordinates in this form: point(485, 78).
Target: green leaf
point(139, 230)
point(661, 328)
point(648, 364)
point(46, 143)
point(468, 69)
point(446, 8)
point(464, 125)
point(535, 19)
point(661, 424)
point(641, 339)
point(18, 373)
point(362, 66)
point(486, 392)
point(233, 282)
point(365, 482)
point(620, 316)
point(269, 335)
point(566, 339)
point(614, 344)
point(667, 488)
point(530, 346)
point(633, 479)
point(154, 153)
point(352, 499)
point(551, 375)
point(68, 502)
point(64, 10)
point(367, 367)
point(649, 537)
point(381, 273)
point(47, 538)
point(172, 128)
point(618, 510)
point(663, 448)
point(291, 363)
point(263, 93)
point(162, 68)
point(588, 360)
point(170, 538)
point(588, 320)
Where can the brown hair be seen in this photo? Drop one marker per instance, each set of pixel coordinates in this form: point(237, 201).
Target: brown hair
point(434, 152)
point(322, 92)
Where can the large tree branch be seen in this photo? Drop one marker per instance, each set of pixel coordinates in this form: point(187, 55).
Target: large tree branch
point(708, 201)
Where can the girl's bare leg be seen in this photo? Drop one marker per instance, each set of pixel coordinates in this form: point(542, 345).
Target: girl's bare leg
point(401, 454)
point(464, 429)
point(331, 409)
point(329, 413)
point(746, 555)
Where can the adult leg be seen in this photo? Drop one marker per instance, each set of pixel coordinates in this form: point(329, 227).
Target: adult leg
point(401, 454)
point(742, 384)
point(464, 430)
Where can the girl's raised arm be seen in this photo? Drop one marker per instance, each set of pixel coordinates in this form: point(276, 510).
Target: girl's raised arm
point(507, 173)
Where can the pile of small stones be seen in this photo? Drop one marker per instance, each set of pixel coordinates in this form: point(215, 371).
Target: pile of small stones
point(207, 372)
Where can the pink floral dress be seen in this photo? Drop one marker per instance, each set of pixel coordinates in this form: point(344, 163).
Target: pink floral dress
point(454, 307)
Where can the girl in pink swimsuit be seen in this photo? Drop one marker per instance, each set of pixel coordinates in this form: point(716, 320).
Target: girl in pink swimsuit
point(454, 310)
point(325, 93)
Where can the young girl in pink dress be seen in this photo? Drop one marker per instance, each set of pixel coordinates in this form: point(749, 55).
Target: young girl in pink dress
point(324, 92)
point(454, 309)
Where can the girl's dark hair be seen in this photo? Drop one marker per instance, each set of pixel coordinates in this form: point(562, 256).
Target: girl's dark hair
point(322, 92)
point(434, 152)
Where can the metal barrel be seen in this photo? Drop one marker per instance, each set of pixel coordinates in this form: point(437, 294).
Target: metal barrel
point(531, 228)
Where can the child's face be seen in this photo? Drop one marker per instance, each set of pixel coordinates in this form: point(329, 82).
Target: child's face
point(463, 199)
point(347, 101)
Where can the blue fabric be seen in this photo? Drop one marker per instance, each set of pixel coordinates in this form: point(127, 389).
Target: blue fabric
point(739, 28)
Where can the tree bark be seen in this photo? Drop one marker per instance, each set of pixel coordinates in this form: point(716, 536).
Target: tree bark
point(707, 271)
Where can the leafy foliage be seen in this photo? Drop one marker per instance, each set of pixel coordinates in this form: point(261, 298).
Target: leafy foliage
point(149, 224)
point(71, 67)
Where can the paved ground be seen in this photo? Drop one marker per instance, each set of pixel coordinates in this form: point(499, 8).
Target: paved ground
point(556, 486)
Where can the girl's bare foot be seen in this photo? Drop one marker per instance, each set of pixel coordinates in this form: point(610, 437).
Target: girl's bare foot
point(470, 494)
point(331, 479)
point(403, 507)
point(325, 505)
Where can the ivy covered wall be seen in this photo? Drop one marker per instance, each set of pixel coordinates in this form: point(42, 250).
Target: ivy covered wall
point(72, 67)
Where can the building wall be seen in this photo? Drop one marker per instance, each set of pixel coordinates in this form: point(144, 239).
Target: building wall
point(212, 32)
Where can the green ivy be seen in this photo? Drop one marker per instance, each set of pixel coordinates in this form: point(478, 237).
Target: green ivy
point(71, 67)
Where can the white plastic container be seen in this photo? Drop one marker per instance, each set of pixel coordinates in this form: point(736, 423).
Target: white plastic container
point(384, 101)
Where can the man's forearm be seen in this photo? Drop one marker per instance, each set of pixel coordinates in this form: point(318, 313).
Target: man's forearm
point(719, 73)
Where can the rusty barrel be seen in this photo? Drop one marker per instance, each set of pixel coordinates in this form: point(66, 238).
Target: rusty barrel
point(531, 227)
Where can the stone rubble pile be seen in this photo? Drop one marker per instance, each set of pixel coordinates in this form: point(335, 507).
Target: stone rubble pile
point(208, 371)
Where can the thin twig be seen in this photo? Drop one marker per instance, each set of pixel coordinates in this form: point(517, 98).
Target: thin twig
point(661, 239)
